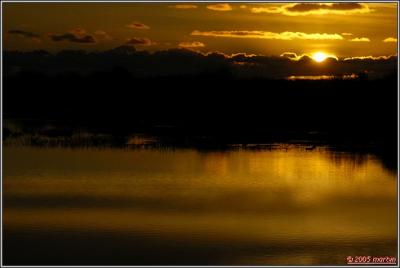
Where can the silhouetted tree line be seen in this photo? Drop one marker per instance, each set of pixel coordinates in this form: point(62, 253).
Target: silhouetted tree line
point(207, 104)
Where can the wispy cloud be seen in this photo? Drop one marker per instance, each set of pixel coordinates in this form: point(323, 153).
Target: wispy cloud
point(220, 7)
point(303, 9)
point(347, 34)
point(194, 44)
point(370, 58)
point(360, 39)
point(269, 35)
point(138, 25)
point(25, 34)
point(184, 6)
point(390, 39)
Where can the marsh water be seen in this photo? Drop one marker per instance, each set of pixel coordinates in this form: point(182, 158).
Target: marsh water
point(287, 205)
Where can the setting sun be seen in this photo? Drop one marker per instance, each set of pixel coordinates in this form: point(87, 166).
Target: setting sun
point(319, 56)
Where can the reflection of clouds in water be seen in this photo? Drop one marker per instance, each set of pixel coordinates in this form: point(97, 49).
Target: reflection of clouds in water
point(266, 197)
point(303, 176)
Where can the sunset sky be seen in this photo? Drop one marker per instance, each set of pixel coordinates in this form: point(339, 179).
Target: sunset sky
point(342, 30)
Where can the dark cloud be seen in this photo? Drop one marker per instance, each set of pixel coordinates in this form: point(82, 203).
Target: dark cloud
point(302, 9)
point(289, 55)
point(141, 41)
point(346, 6)
point(24, 34)
point(138, 26)
point(290, 64)
point(305, 7)
point(71, 37)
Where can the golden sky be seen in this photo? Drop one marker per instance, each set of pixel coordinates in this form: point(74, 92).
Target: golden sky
point(343, 30)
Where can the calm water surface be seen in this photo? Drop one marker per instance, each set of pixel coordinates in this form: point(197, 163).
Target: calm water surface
point(131, 207)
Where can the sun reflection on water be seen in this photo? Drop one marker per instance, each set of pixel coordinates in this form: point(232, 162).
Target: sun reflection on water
point(264, 197)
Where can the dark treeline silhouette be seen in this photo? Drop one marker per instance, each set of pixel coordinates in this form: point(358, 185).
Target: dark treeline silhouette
point(206, 103)
point(206, 106)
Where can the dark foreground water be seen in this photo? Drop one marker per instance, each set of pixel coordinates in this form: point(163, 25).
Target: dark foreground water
point(289, 205)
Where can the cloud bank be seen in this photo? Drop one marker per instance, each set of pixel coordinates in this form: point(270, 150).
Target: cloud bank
point(189, 62)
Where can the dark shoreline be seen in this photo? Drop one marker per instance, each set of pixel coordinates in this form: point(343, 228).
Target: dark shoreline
point(49, 134)
point(207, 111)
